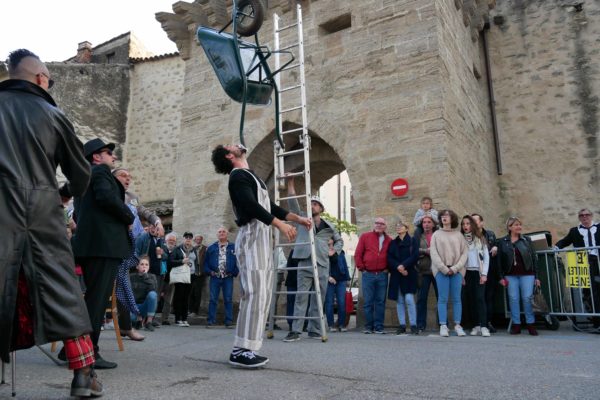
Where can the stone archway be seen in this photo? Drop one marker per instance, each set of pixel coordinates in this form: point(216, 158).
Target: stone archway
point(324, 160)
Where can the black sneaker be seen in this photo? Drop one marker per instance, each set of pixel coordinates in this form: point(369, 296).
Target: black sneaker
point(414, 330)
point(401, 330)
point(165, 322)
point(149, 327)
point(314, 335)
point(155, 323)
point(491, 328)
point(244, 358)
point(292, 337)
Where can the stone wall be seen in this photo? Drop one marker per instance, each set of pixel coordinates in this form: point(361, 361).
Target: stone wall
point(95, 98)
point(546, 72)
point(153, 127)
point(374, 98)
point(469, 182)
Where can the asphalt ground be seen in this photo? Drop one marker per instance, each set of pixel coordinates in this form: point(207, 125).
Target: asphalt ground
point(191, 363)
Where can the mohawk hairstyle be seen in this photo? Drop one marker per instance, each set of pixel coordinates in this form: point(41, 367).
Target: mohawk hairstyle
point(15, 57)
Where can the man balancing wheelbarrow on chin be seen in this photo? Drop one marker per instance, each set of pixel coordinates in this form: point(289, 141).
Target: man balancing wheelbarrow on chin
point(254, 214)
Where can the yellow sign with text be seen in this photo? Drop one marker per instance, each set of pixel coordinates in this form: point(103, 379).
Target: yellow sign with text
point(578, 270)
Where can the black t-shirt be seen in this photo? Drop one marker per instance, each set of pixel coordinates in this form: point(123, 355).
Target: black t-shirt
point(244, 197)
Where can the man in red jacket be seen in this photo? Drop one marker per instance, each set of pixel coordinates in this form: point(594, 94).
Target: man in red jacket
point(371, 260)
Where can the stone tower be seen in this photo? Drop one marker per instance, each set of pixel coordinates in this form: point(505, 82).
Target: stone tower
point(395, 89)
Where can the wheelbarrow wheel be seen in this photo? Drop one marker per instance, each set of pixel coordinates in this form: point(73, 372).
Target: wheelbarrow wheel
point(250, 16)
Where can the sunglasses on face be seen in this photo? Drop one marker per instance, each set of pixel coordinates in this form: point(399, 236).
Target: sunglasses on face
point(585, 215)
point(50, 81)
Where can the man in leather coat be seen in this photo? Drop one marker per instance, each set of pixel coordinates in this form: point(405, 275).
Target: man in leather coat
point(40, 298)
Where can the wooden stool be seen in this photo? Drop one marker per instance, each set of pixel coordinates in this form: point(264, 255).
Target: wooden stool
point(115, 315)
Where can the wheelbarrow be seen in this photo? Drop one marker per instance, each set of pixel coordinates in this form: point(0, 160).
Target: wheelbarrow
point(241, 66)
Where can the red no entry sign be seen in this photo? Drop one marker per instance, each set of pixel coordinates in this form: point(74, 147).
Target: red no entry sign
point(399, 187)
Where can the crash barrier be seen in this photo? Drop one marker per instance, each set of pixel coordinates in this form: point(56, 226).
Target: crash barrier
point(570, 283)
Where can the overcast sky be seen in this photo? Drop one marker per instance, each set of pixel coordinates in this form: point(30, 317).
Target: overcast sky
point(52, 29)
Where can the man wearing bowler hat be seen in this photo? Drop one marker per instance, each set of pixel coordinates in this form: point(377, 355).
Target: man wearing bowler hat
point(101, 240)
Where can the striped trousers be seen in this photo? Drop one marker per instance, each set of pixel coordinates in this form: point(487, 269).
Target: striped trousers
point(254, 257)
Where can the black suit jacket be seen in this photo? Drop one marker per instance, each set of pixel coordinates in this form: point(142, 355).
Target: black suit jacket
point(102, 218)
point(574, 238)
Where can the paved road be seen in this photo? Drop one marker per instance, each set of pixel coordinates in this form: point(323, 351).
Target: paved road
point(190, 363)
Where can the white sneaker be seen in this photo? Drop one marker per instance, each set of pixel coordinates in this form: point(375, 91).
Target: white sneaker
point(179, 323)
point(485, 332)
point(476, 331)
point(109, 326)
point(185, 323)
point(459, 330)
point(444, 331)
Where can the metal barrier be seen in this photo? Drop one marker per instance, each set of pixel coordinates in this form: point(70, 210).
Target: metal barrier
point(571, 284)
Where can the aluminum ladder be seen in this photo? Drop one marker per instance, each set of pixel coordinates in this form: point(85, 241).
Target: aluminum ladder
point(294, 86)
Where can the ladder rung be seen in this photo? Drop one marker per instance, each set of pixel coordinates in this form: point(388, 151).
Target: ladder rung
point(293, 317)
point(290, 67)
point(290, 88)
point(292, 131)
point(290, 109)
point(290, 153)
point(297, 292)
point(291, 46)
point(287, 27)
point(291, 175)
point(298, 196)
point(290, 244)
point(296, 269)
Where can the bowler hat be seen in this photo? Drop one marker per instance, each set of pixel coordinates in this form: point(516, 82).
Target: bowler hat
point(92, 146)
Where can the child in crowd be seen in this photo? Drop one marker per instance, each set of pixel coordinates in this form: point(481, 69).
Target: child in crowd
point(426, 209)
point(144, 289)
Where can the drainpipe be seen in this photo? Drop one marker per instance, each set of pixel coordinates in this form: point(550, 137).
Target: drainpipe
point(488, 74)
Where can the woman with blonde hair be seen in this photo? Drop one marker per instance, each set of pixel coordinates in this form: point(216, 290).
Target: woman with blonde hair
point(517, 260)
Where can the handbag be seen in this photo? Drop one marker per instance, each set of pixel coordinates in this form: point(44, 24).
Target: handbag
point(349, 299)
point(538, 301)
point(181, 274)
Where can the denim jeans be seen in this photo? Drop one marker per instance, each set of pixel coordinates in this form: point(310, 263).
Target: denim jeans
point(215, 287)
point(522, 284)
point(406, 301)
point(449, 287)
point(148, 307)
point(374, 286)
point(289, 306)
point(337, 291)
point(426, 281)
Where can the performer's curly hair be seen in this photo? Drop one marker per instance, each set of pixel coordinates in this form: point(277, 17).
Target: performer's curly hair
point(222, 164)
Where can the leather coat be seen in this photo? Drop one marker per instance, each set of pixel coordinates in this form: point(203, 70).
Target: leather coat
point(506, 254)
point(35, 138)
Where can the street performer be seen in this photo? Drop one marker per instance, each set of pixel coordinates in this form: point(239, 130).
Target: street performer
point(254, 213)
point(40, 298)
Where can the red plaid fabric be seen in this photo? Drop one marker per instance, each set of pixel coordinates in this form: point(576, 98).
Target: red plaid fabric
point(23, 329)
point(79, 352)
